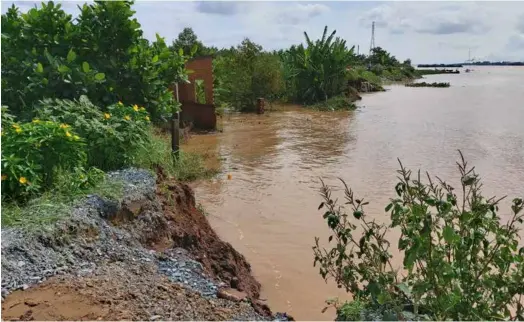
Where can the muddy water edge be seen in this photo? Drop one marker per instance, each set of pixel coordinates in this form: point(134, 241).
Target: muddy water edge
point(268, 210)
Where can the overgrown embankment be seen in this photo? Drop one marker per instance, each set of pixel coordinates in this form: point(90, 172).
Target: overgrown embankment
point(148, 255)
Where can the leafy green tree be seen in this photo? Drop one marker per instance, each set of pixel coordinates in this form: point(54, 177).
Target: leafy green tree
point(245, 73)
point(188, 42)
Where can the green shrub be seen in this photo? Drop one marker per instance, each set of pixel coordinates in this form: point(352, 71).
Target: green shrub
point(460, 261)
point(33, 152)
point(112, 137)
point(246, 73)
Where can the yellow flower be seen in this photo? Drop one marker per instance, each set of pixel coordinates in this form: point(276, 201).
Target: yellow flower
point(68, 134)
point(64, 126)
point(76, 137)
point(16, 126)
point(127, 118)
point(120, 103)
point(22, 180)
point(135, 107)
point(18, 130)
point(4, 176)
point(36, 121)
point(142, 109)
point(147, 118)
point(107, 116)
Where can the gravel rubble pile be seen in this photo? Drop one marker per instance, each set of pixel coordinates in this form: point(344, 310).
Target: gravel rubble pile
point(180, 268)
point(74, 245)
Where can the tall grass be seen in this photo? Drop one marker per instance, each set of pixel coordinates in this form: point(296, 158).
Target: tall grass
point(157, 153)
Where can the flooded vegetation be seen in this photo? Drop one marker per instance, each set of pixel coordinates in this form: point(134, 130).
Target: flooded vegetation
point(424, 84)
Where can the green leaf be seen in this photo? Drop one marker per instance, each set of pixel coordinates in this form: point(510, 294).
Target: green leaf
point(410, 257)
point(155, 59)
point(63, 69)
point(449, 235)
point(39, 68)
point(85, 67)
point(388, 207)
point(180, 52)
point(71, 56)
point(405, 289)
point(100, 76)
point(382, 298)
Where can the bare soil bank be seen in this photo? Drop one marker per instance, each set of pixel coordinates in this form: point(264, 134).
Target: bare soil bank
point(124, 280)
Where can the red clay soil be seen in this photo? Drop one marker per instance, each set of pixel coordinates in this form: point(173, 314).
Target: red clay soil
point(189, 229)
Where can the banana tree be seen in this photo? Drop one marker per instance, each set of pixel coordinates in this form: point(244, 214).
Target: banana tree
point(318, 69)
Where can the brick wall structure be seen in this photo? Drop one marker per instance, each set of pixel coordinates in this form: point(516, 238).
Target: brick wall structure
point(201, 115)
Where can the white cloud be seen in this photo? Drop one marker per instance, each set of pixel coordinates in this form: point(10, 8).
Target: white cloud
point(299, 13)
point(520, 23)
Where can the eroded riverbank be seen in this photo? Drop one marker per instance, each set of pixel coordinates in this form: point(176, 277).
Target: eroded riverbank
point(268, 210)
point(150, 256)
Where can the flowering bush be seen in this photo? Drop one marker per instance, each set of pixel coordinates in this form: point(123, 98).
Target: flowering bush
point(32, 153)
point(112, 136)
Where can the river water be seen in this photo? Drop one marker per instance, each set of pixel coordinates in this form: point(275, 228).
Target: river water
point(268, 210)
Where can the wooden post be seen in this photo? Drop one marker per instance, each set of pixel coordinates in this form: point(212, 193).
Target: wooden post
point(260, 106)
point(175, 129)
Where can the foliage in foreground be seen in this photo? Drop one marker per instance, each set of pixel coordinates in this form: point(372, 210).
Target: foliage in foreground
point(460, 261)
point(102, 54)
point(68, 136)
point(112, 136)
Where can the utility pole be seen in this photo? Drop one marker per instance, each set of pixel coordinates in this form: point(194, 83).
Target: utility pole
point(372, 45)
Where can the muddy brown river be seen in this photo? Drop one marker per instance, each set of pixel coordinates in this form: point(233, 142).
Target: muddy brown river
point(268, 210)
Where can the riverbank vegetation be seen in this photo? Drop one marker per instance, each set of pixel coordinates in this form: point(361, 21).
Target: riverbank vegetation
point(461, 260)
point(437, 71)
point(312, 74)
point(424, 84)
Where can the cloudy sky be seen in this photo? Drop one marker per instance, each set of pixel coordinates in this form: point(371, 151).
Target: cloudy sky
point(426, 32)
